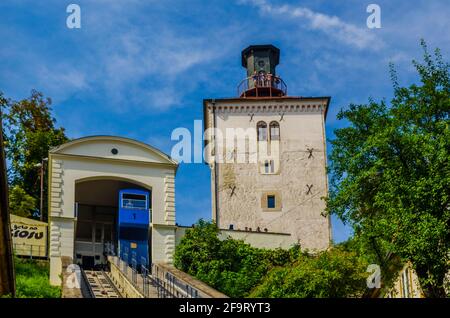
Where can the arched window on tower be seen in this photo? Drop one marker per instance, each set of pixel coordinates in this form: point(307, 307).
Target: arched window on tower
point(262, 131)
point(274, 131)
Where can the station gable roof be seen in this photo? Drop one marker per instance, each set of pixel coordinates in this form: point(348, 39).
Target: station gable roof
point(113, 147)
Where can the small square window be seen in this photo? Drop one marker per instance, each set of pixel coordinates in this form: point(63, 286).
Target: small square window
point(271, 201)
point(269, 166)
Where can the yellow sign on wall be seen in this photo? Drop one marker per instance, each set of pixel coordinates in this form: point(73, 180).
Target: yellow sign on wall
point(29, 236)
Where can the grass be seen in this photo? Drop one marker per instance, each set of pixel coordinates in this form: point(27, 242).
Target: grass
point(32, 280)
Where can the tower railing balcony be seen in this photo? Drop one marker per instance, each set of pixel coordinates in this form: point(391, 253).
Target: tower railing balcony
point(262, 85)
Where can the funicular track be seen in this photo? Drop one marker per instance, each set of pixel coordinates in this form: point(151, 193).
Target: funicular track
point(99, 284)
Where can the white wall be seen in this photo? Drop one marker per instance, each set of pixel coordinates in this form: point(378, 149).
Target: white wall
point(163, 243)
point(256, 239)
point(260, 239)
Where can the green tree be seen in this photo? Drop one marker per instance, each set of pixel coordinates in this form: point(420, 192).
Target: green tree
point(21, 203)
point(240, 270)
point(333, 273)
point(29, 134)
point(390, 174)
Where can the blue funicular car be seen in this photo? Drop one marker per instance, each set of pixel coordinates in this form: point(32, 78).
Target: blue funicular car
point(133, 226)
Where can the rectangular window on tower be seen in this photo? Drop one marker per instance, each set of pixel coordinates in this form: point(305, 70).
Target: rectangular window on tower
point(271, 201)
point(269, 167)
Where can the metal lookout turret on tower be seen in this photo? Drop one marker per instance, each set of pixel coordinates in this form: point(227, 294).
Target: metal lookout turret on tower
point(262, 81)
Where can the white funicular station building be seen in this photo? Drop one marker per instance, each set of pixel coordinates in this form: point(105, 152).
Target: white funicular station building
point(85, 176)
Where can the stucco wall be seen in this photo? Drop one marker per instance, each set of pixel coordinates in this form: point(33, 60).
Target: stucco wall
point(163, 243)
point(259, 239)
point(256, 239)
point(301, 128)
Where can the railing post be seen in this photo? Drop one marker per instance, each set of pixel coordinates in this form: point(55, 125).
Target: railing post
point(133, 268)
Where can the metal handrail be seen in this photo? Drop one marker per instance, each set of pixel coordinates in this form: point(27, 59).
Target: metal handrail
point(261, 81)
point(165, 283)
point(145, 280)
point(169, 286)
point(125, 263)
point(133, 268)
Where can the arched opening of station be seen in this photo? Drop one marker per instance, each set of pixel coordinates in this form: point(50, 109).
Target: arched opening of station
point(97, 212)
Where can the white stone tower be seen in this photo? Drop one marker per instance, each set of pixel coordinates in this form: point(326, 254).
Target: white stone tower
point(268, 172)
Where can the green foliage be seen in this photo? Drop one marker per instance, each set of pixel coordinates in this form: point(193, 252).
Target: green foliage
point(238, 270)
point(390, 174)
point(32, 280)
point(21, 203)
point(333, 273)
point(230, 266)
point(363, 247)
point(29, 132)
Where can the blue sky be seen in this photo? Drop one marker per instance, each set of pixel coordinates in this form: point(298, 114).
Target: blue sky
point(142, 68)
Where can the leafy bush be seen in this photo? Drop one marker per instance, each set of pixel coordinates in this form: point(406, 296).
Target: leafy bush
point(231, 266)
point(239, 270)
point(333, 273)
point(32, 280)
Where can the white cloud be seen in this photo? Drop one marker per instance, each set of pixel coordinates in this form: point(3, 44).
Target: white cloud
point(155, 65)
point(157, 70)
point(61, 76)
point(330, 25)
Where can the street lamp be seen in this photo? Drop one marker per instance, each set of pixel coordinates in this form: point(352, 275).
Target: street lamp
point(41, 203)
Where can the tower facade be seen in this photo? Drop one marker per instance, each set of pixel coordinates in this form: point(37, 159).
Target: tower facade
point(267, 154)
